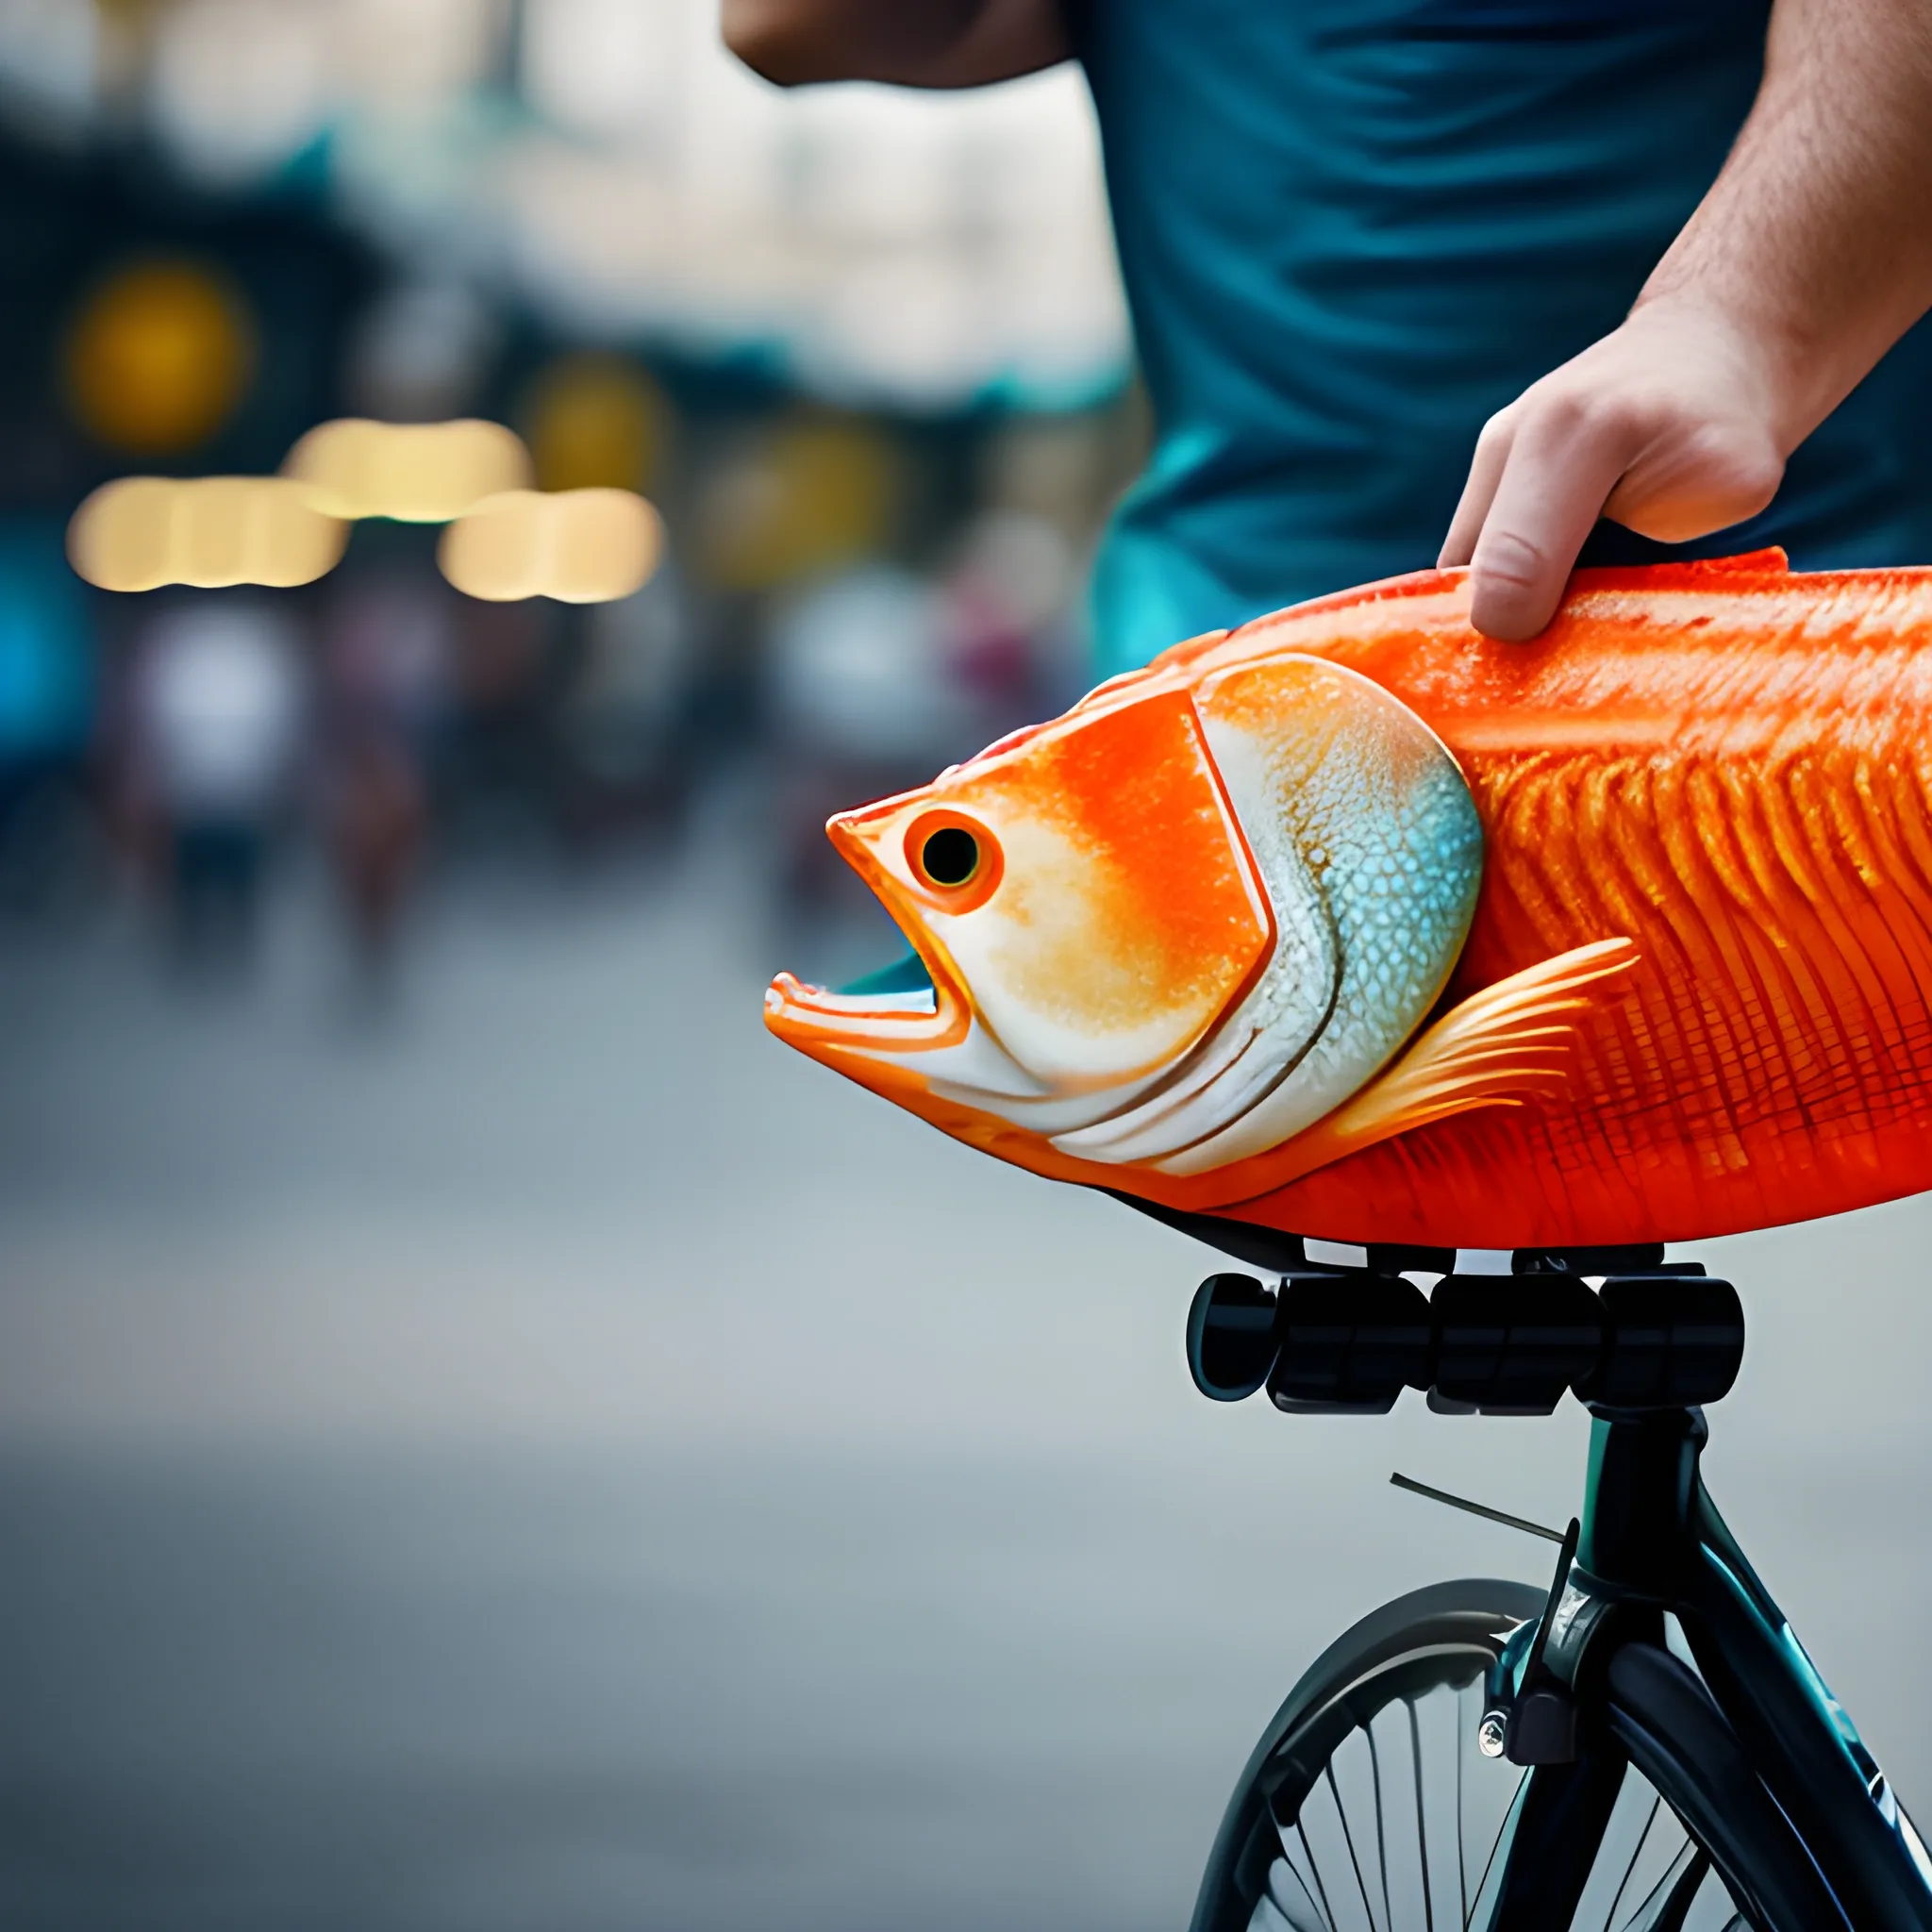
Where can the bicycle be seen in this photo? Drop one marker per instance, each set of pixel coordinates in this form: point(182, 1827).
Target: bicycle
point(1645, 1747)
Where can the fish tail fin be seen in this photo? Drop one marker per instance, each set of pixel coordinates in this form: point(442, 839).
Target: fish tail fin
point(1499, 1046)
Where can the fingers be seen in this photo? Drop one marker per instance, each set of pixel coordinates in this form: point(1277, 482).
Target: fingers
point(1561, 465)
point(1478, 492)
point(1670, 423)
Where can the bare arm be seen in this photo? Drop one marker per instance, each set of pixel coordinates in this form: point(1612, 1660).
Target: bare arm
point(912, 43)
point(1810, 255)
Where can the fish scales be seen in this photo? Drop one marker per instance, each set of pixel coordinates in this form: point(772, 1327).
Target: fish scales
point(1627, 932)
point(1773, 1057)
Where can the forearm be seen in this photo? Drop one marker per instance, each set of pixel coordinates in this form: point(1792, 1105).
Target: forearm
point(1814, 246)
point(937, 44)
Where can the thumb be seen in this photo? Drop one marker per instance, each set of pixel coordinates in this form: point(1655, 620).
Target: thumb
point(1552, 490)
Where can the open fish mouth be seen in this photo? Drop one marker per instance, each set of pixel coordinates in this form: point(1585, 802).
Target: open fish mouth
point(907, 980)
point(909, 1007)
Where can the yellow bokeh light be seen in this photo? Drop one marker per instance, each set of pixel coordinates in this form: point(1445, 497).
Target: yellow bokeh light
point(158, 357)
point(415, 473)
point(580, 546)
point(141, 532)
point(819, 495)
point(596, 422)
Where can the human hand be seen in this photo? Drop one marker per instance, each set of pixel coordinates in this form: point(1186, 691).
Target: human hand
point(1675, 425)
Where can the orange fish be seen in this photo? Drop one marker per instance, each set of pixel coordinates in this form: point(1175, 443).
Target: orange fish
point(1353, 923)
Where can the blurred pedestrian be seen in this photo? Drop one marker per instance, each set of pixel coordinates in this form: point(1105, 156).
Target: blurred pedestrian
point(386, 677)
point(215, 718)
point(624, 711)
point(508, 666)
point(1011, 592)
point(1353, 231)
point(861, 697)
point(376, 821)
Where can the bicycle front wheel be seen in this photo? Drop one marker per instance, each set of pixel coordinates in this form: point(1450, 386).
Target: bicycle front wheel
point(1368, 1808)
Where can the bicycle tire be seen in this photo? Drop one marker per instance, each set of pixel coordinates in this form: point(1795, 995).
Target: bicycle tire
point(1671, 1729)
point(1467, 1619)
point(1392, 1707)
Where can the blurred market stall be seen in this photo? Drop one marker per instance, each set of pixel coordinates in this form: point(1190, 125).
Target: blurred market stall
point(778, 426)
point(606, 162)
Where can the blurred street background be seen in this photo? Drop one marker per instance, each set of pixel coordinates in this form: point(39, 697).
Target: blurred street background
point(488, 1440)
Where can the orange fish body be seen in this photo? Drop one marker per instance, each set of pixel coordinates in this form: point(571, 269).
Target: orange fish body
point(1673, 978)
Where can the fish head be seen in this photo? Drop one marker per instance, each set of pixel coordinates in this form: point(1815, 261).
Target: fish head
point(1166, 932)
point(1082, 901)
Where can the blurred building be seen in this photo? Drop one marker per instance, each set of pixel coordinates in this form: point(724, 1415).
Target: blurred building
point(607, 163)
point(862, 349)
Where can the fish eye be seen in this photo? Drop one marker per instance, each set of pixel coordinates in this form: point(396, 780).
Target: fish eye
point(955, 858)
point(950, 855)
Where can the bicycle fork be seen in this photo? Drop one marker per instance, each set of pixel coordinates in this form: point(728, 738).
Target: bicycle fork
point(1764, 1763)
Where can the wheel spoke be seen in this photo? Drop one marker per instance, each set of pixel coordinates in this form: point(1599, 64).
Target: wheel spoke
point(1308, 1851)
point(1422, 1811)
point(1629, 1869)
point(1363, 1785)
point(1348, 1839)
point(1286, 1908)
point(1387, 1744)
point(1381, 1826)
point(1462, 1861)
point(1676, 1886)
point(1496, 1845)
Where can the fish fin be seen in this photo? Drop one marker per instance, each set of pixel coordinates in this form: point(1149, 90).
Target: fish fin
point(1507, 1042)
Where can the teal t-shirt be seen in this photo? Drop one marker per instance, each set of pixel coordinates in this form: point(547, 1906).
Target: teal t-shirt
point(1353, 230)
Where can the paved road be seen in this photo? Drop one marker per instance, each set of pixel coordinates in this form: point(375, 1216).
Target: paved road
point(551, 1458)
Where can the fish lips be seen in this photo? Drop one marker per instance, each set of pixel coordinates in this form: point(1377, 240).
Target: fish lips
point(870, 1021)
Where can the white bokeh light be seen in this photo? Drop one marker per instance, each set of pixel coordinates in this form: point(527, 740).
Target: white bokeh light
point(610, 163)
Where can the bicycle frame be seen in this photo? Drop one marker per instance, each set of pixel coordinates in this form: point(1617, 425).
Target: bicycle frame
point(1762, 1762)
point(1653, 1543)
